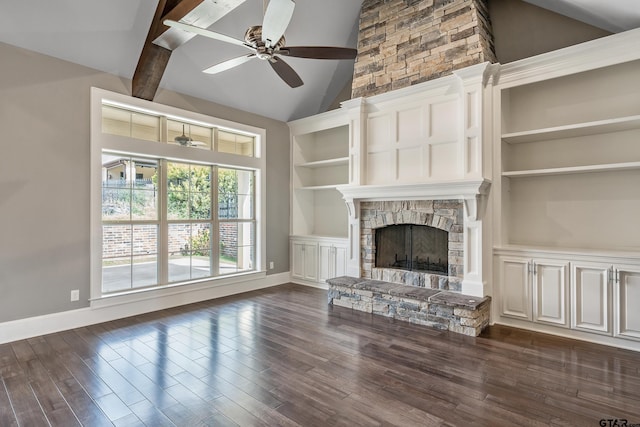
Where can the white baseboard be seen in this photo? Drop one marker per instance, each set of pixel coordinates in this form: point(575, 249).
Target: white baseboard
point(309, 284)
point(56, 322)
point(570, 333)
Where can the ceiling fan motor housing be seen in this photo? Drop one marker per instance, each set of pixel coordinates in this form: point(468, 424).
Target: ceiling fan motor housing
point(253, 36)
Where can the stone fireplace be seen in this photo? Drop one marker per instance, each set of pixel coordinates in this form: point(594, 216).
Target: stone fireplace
point(453, 207)
point(420, 229)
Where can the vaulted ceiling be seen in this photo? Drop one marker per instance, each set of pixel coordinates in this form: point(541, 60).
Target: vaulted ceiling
point(110, 35)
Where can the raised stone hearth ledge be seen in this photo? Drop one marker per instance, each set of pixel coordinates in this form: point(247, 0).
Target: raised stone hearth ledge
point(444, 310)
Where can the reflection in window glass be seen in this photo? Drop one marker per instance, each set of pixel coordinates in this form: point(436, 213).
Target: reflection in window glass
point(235, 143)
point(189, 134)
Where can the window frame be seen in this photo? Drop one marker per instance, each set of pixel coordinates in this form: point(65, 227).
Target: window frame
point(101, 142)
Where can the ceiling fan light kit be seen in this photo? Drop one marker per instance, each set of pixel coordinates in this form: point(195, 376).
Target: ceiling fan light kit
point(267, 42)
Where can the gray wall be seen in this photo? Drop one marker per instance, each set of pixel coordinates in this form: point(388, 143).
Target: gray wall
point(521, 30)
point(44, 179)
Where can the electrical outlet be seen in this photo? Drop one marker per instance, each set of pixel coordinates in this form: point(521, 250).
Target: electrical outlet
point(270, 265)
point(75, 295)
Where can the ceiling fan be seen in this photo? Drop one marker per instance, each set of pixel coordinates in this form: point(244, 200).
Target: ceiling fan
point(267, 42)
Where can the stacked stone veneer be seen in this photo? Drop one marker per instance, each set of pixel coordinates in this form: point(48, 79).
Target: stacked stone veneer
point(448, 311)
point(405, 42)
point(443, 214)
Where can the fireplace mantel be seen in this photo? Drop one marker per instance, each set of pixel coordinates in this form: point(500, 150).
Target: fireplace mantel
point(472, 192)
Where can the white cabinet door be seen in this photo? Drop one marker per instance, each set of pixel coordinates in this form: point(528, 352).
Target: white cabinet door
point(304, 260)
point(297, 260)
point(341, 261)
point(627, 301)
point(591, 297)
point(311, 262)
point(325, 261)
point(550, 292)
point(515, 287)
point(332, 261)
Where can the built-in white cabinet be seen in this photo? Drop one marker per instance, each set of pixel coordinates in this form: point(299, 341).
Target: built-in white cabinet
point(566, 168)
point(304, 260)
point(534, 289)
point(332, 259)
point(316, 259)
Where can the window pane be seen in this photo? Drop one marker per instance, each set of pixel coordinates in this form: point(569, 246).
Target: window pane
point(116, 257)
point(116, 203)
point(189, 134)
point(145, 239)
point(201, 265)
point(235, 194)
point(200, 207)
point(129, 188)
point(116, 241)
point(144, 196)
point(235, 143)
point(116, 121)
point(189, 191)
point(189, 251)
point(177, 191)
point(237, 247)
point(144, 271)
point(116, 274)
point(179, 252)
point(145, 126)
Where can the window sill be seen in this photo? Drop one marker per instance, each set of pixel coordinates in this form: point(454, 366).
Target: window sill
point(173, 289)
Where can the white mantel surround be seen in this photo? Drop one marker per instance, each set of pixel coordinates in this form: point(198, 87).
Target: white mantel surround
point(473, 193)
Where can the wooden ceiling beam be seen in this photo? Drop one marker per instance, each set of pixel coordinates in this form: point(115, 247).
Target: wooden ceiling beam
point(154, 59)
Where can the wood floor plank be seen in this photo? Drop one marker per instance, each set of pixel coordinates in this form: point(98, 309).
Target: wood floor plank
point(281, 356)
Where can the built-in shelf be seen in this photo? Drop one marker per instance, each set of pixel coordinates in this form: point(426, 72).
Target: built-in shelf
point(574, 130)
point(340, 161)
point(573, 170)
point(319, 187)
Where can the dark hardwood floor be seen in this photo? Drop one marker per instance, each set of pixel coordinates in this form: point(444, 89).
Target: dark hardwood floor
point(281, 356)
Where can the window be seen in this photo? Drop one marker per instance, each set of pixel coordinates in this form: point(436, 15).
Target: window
point(172, 213)
point(129, 223)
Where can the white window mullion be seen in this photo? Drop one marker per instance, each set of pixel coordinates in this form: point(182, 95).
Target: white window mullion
point(215, 224)
point(163, 229)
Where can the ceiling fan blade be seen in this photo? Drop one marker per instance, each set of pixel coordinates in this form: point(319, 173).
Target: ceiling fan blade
point(285, 72)
point(226, 65)
point(319, 52)
point(206, 33)
point(276, 20)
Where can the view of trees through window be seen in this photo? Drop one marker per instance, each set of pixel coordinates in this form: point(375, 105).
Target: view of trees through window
point(207, 228)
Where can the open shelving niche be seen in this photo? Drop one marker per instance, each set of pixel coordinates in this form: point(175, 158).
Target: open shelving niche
point(570, 157)
point(320, 160)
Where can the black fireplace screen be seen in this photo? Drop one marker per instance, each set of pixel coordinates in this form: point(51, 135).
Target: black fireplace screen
point(412, 247)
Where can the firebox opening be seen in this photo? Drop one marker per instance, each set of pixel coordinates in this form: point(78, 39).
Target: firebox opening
point(412, 247)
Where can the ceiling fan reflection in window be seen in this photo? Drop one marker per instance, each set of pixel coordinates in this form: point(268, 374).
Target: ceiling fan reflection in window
point(187, 141)
point(267, 42)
